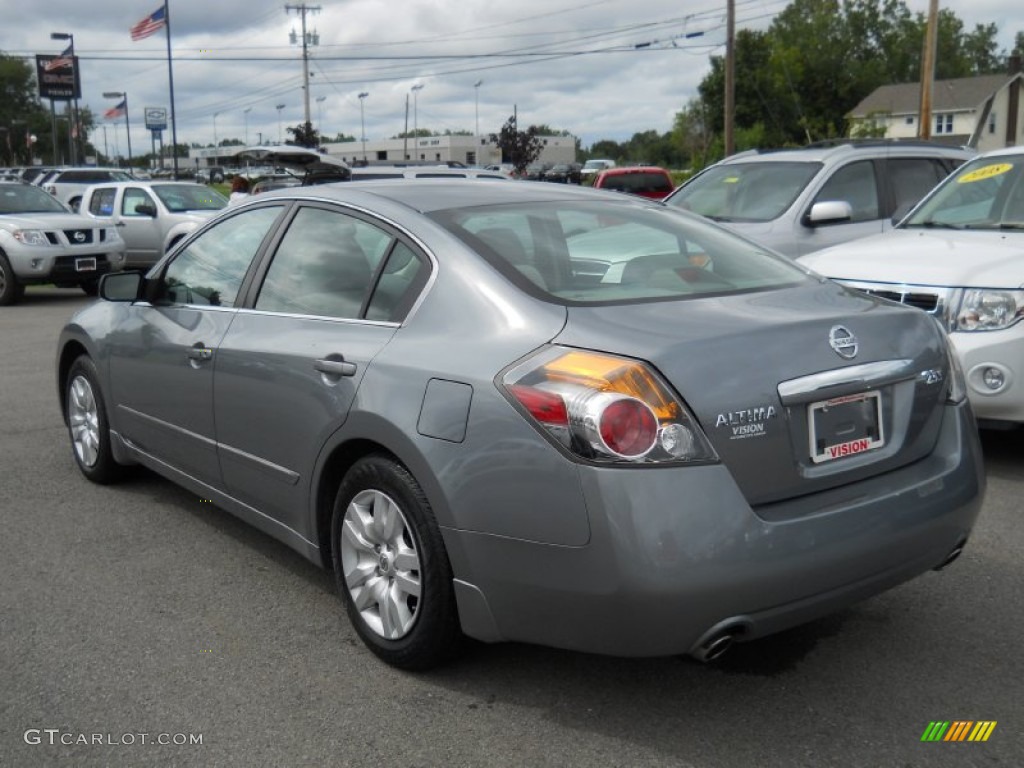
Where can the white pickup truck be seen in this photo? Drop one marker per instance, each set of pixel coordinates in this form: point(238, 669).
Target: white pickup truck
point(151, 216)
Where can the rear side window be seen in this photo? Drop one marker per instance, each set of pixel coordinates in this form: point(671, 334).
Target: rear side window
point(913, 177)
point(328, 263)
point(102, 201)
point(320, 268)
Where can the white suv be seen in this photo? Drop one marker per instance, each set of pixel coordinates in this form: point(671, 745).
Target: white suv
point(960, 256)
point(67, 184)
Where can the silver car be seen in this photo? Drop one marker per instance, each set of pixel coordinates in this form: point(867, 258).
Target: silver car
point(42, 241)
point(802, 200)
point(531, 412)
point(152, 216)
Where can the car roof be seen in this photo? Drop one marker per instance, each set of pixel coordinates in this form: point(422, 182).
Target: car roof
point(428, 195)
point(826, 150)
point(622, 170)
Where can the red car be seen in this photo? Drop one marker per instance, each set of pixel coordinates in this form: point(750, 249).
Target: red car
point(646, 181)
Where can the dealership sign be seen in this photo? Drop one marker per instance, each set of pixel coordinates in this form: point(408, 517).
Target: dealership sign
point(156, 118)
point(58, 77)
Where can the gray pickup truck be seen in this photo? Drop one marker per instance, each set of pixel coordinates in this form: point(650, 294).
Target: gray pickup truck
point(151, 216)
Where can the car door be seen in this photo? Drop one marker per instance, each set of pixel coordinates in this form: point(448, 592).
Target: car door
point(857, 184)
point(163, 353)
point(289, 367)
point(141, 231)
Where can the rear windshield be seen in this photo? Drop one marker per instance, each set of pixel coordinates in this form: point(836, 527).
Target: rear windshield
point(745, 191)
point(637, 183)
point(601, 252)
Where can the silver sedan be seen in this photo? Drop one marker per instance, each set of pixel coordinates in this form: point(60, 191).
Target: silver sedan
point(533, 413)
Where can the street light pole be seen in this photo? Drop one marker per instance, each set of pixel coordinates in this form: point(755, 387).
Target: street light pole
point(127, 123)
point(320, 113)
point(415, 114)
point(362, 122)
point(245, 113)
point(476, 89)
point(279, 107)
point(215, 137)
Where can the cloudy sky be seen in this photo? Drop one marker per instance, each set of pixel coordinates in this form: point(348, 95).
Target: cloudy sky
point(597, 68)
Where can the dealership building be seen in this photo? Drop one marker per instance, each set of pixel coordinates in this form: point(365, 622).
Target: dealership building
point(468, 150)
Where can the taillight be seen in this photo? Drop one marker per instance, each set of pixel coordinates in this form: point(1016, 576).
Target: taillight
point(606, 408)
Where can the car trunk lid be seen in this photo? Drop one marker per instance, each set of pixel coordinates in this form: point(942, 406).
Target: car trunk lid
point(798, 390)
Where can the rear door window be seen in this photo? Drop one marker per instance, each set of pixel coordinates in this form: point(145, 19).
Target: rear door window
point(332, 264)
point(912, 178)
point(102, 201)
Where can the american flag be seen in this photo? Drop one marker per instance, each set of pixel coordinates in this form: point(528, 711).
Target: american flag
point(64, 60)
point(150, 24)
point(117, 111)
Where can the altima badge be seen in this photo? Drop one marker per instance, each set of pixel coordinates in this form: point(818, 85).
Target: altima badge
point(843, 342)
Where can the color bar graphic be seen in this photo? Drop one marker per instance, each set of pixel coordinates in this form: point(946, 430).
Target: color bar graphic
point(958, 730)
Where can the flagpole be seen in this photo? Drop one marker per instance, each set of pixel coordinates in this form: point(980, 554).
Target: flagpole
point(170, 78)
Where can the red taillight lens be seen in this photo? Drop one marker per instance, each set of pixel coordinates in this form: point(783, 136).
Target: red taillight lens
point(628, 427)
point(606, 408)
point(545, 407)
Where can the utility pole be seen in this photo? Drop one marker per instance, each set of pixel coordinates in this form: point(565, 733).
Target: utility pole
point(730, 76)
point(924, 119)
point(307, 39)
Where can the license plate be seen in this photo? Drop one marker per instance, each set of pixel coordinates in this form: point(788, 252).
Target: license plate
point(845, 426)
point(85, 265)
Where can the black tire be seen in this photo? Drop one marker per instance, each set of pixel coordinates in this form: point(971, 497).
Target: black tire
point(88, 427)
point(386, 555)
point(91, 288)
point(11, 290)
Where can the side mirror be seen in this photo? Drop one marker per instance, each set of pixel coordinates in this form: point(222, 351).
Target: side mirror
point(146, 209)
point(828, 212)
point(121, 286)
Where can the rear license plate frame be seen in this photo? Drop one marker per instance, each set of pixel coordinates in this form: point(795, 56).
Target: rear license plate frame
point(863, 428)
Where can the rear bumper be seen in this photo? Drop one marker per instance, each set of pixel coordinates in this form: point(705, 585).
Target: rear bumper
point(677, 553)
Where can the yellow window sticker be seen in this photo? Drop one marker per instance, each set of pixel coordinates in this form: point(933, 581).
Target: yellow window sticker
point(987, 172)
point(730, 179)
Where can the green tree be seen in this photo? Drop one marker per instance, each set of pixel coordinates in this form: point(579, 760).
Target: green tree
point(797, 80)
point(304, 135)
point(520, 148)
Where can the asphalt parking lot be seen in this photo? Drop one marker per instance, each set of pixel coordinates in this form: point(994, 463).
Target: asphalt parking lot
point(139, 614)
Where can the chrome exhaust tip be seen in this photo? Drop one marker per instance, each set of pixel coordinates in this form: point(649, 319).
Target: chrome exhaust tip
point(953, 555)
point(715, 646)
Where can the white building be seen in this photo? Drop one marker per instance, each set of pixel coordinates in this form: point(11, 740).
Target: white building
point(984, 112)
point(468, 150)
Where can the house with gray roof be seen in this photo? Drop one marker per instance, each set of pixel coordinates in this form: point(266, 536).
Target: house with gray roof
point(984, 112)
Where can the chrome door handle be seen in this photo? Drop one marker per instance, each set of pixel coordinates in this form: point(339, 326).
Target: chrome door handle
point(200, 353)
point(335, 366)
